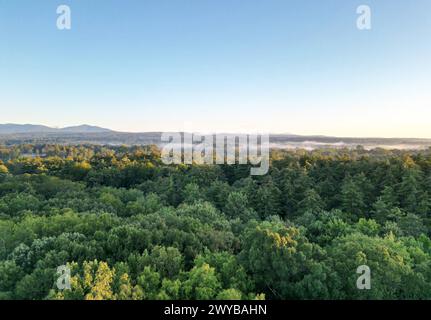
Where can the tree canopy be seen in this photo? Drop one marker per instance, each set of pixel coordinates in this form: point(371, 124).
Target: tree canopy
point(129, 227)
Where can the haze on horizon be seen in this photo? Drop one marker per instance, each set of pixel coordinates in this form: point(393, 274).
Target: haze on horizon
point(279, 66)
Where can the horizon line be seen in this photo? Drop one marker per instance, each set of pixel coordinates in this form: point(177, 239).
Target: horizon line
point(200, 132)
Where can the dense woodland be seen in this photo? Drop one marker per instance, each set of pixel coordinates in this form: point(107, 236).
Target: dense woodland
point(130, 227)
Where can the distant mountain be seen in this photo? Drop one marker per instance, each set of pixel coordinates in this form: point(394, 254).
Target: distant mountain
point(85, 129)
point(11, 128)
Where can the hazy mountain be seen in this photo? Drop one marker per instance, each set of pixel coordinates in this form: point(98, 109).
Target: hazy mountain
point(85, 129)
point(11, 128)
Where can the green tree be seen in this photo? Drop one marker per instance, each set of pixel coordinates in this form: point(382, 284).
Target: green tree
point(237, 206)
point(352, 198)
point(201, 283)
point(279, 258)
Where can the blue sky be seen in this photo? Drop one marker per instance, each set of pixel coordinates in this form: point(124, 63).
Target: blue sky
point(298, 66)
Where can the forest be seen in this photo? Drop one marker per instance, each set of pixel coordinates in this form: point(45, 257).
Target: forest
point(131, 228)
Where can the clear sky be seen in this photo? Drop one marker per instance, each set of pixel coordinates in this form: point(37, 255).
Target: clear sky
point(298, 66)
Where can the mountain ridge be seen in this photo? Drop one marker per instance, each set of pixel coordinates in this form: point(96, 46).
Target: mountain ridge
point(11, 133)
point(13, 128)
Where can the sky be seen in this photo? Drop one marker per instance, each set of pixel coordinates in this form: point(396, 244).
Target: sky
point(278, 66)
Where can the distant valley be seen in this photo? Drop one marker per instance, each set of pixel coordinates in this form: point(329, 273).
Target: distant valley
point(87, 134)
